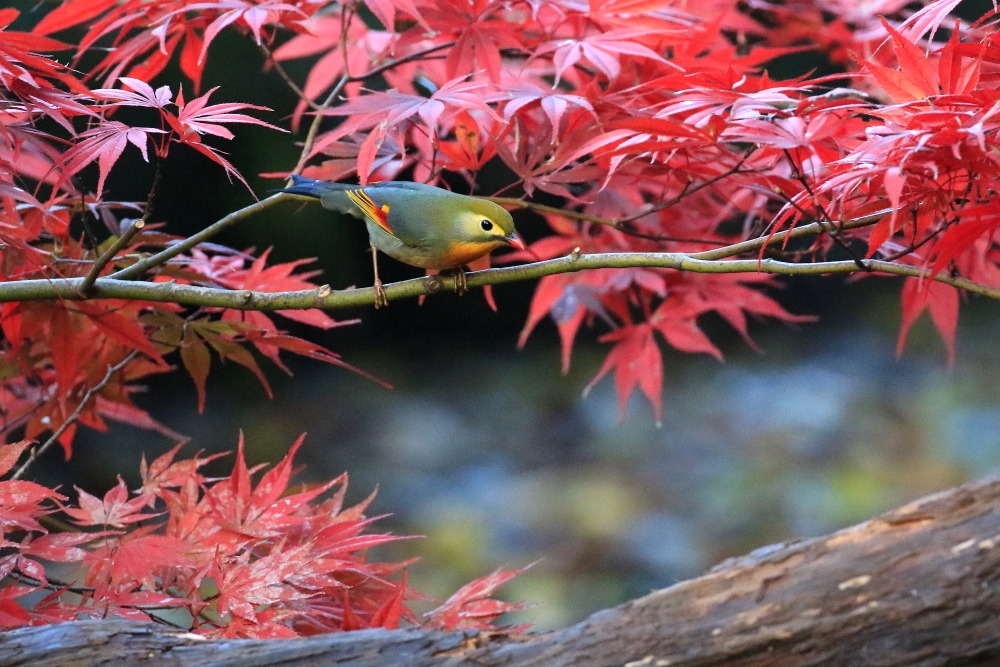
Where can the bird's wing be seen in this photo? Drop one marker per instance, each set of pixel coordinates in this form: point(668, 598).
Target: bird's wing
point(373, 210)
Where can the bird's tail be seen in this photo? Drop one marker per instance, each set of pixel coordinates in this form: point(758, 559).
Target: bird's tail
point(312, 188)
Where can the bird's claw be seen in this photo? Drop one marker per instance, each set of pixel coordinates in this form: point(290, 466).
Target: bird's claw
point(380, 297)
point(461, 282)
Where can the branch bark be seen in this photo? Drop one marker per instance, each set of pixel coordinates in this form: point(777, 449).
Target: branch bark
point(324, 297)
point(916, 587)
point(123, 284)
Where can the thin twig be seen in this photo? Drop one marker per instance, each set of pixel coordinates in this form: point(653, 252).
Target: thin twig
point(54, 584)
point(794, 233)
point(346, 78)
point(914, 246)
point(345, 22)
point(36, 453)
point(410, 57)
point(75, 206)
point(310, 139)
point(142, 266)
point(289, 81)
point(804, 230)
point(129, 234)
point(834, 231)
point(51, 583)
point(542, 208)
point(109, 254)
point(686, 191)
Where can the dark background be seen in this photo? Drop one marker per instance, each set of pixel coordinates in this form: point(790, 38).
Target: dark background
point(498, 460)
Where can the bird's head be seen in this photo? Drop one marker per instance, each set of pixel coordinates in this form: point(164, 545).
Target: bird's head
point(486, 223)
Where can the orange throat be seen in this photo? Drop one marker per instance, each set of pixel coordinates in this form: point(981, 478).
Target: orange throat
point(460, 254)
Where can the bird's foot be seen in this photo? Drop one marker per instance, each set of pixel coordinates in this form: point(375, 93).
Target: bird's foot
point(461, 282)
point(380, 297)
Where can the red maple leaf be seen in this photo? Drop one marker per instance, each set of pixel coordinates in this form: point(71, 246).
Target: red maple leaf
point(472, 606)
point(115, 510)
point(637, 362)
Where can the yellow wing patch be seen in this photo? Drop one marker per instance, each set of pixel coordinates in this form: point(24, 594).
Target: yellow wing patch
point(377, 214)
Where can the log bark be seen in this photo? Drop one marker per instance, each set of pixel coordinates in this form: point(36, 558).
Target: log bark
point(918, 586)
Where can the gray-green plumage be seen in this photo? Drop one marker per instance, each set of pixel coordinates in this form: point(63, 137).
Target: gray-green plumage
point(416, 223)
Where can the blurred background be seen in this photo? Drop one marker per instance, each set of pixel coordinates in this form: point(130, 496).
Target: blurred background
point(498, 460)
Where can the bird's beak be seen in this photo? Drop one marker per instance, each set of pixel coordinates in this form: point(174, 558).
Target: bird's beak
point(515, 241)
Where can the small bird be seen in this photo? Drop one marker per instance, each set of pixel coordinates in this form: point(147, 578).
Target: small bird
point(418, 224)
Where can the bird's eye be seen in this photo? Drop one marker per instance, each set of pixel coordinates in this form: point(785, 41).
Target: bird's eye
point(486, 225)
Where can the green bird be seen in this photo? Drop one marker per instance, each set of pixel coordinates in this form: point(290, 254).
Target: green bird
point(418, 224)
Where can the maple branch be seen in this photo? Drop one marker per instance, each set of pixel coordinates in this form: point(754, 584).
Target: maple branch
point(162, 257)
point(627, 225)
point(109, 254)
point(112, 287)
point(402, 60)
point(324, 297)
point(718, 253)
point(346, 78)
point(337, 87)
point(37, 453)
point(50, 583)
point(289, 81)
point(542, 208)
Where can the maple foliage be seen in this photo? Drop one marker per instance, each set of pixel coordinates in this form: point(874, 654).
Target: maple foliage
point(656, 125)
point(657, 129)
point(220, 557)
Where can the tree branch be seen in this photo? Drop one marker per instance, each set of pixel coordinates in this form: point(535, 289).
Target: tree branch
point(780, 237)
point(745, 246)
point(162, 257)
point(324, 297)
point(410, 57)
point(109, 254)
point(119, 285)
point(289, 81)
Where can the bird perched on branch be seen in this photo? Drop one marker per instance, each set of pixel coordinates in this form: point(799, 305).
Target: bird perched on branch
point(418, 224)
